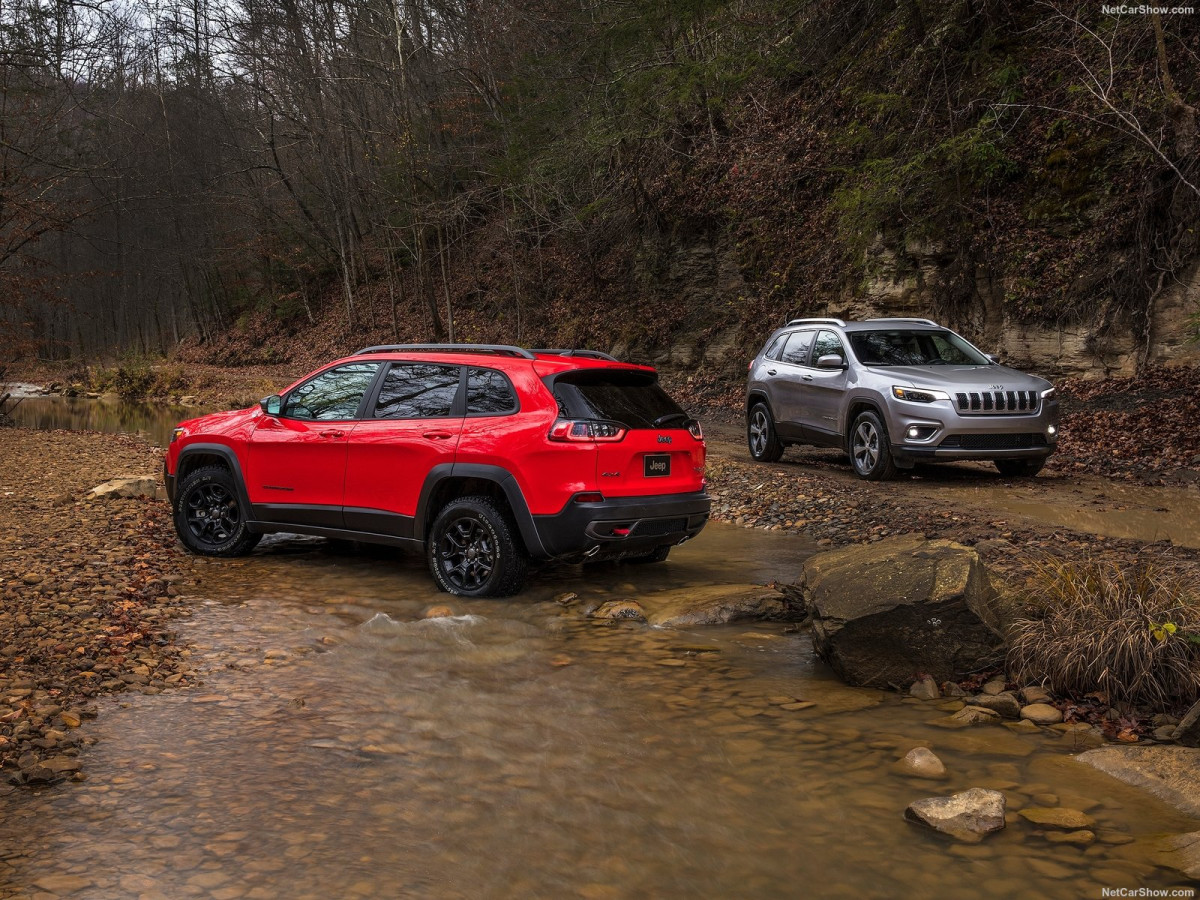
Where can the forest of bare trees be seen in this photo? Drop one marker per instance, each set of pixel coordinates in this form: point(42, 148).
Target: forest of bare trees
point(165, 165)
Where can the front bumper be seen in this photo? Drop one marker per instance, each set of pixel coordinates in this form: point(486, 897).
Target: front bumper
point(944, 434)
point(169, 482)
point(622, 526)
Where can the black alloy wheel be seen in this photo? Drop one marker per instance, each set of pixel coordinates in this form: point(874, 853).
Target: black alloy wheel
point(208, 515)
point(472, 551)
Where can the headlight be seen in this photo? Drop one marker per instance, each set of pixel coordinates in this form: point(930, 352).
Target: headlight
point(915, 396)
point(177, 433)
point(1049, 394)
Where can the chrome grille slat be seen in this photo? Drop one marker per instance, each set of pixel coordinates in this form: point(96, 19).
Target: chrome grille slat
point(1005, 402)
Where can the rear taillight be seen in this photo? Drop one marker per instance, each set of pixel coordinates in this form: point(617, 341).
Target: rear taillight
point(586, 431)
point(695, 430)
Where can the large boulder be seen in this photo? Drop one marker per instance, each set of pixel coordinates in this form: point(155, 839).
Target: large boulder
point(129, 488)
point(883, 612)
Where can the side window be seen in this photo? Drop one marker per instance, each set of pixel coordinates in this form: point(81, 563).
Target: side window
point(489, 393)
point(417, 391)
point(796, 351)
point(827, 343)
point(776, 347)
point(334, 394)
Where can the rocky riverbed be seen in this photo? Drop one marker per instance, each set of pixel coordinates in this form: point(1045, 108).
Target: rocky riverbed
point(88, 590)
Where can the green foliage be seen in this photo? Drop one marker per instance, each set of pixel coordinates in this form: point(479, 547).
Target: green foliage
point(133, 379)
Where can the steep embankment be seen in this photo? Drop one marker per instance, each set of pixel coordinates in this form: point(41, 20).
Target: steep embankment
point(952, 160)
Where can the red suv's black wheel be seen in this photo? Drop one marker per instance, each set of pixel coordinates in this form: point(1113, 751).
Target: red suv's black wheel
point(209, 518)
point(472, 551)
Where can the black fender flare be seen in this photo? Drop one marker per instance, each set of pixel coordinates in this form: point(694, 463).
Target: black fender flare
point(230, 458)
point(499, 476)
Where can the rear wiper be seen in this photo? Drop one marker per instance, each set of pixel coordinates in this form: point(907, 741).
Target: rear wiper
point(662, 420)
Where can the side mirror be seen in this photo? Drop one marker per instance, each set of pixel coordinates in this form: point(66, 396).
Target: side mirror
point(271, 405)
point(831, 361)
point(993, 357)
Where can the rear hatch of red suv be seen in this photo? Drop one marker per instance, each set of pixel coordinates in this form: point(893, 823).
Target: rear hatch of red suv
point(646, 444)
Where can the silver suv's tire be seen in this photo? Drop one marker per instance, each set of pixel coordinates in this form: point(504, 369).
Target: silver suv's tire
point(761, 438)
point(1019, 468)
point(870, 452)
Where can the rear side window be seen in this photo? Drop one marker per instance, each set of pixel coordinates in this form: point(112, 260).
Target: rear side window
point(489, 393)
point(417, 391)
point(634, 399)
point(776, 347)
point(796, 351)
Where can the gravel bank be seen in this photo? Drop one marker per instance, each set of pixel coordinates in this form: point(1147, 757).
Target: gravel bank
point(87, 594)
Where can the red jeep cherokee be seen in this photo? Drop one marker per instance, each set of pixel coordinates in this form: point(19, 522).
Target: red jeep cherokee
point(484, 456)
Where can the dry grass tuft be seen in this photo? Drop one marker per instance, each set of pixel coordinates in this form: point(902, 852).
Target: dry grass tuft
point(1096, 627)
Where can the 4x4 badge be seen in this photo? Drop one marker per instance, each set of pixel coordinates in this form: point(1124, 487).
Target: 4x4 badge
point(664, 439)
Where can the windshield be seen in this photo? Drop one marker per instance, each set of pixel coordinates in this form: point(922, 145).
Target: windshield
point(898, 347)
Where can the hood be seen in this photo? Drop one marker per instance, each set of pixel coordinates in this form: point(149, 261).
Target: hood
point(951, 378)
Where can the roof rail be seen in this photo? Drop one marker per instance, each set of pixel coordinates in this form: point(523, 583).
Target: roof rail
point(817, 322)
point(589, 354)
point(907, 319)
point(452, 348)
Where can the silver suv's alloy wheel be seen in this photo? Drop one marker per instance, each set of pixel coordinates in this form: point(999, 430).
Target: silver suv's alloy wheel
point(865, 449)
point(759, 427)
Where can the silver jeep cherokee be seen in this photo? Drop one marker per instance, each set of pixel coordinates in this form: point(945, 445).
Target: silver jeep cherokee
point(893, 392)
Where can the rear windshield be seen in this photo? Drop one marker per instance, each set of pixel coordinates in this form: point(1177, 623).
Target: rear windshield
point(899, 347)
point(632, 398)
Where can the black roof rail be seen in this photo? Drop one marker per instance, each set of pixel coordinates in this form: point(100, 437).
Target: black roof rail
point(590, 354)
point(450, 348)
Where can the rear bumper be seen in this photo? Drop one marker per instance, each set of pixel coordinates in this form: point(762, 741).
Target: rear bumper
point(622, 526)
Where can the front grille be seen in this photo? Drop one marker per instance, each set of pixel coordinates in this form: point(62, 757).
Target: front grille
point(983, 402)
point(993, 441)
point(653, 527)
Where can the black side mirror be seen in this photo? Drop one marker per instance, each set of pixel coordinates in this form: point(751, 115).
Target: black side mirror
point(831, 361)
point(993, 357)
point(271, 405)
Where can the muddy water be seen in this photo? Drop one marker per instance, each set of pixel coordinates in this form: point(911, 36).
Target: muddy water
point(341, 745)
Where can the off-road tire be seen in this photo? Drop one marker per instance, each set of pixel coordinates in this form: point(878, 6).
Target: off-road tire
point(763, 442)
point(870, 452)
point(1019, 468)
point(209, 515)
point(473, 551)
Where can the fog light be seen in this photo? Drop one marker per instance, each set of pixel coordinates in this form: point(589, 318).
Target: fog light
point(919, 432)
point(1051, 430)
point(914, 432)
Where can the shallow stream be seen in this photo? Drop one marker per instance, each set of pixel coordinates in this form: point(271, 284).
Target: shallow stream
point(342, 745)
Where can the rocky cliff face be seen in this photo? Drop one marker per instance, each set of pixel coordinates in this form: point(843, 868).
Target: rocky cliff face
point(914, 280)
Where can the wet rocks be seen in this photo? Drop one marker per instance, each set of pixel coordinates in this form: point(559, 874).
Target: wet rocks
point(1188, 731)
point(883, 611)
point(925, 689)
point(619, 609)
point(1182, 853)
point(1041, 714)
point(969, 715)
point(967, 816)
point(1003, 704)
point(1057, 817)
point(717, 604)
point(1169, 772)
point(920, 762)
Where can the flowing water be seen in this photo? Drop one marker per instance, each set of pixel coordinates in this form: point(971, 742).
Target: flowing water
point(342, 745)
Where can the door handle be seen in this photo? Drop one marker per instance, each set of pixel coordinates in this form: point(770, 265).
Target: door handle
point(770, 371)
point(332, 433)
point(437, 435)
point(807, 377)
